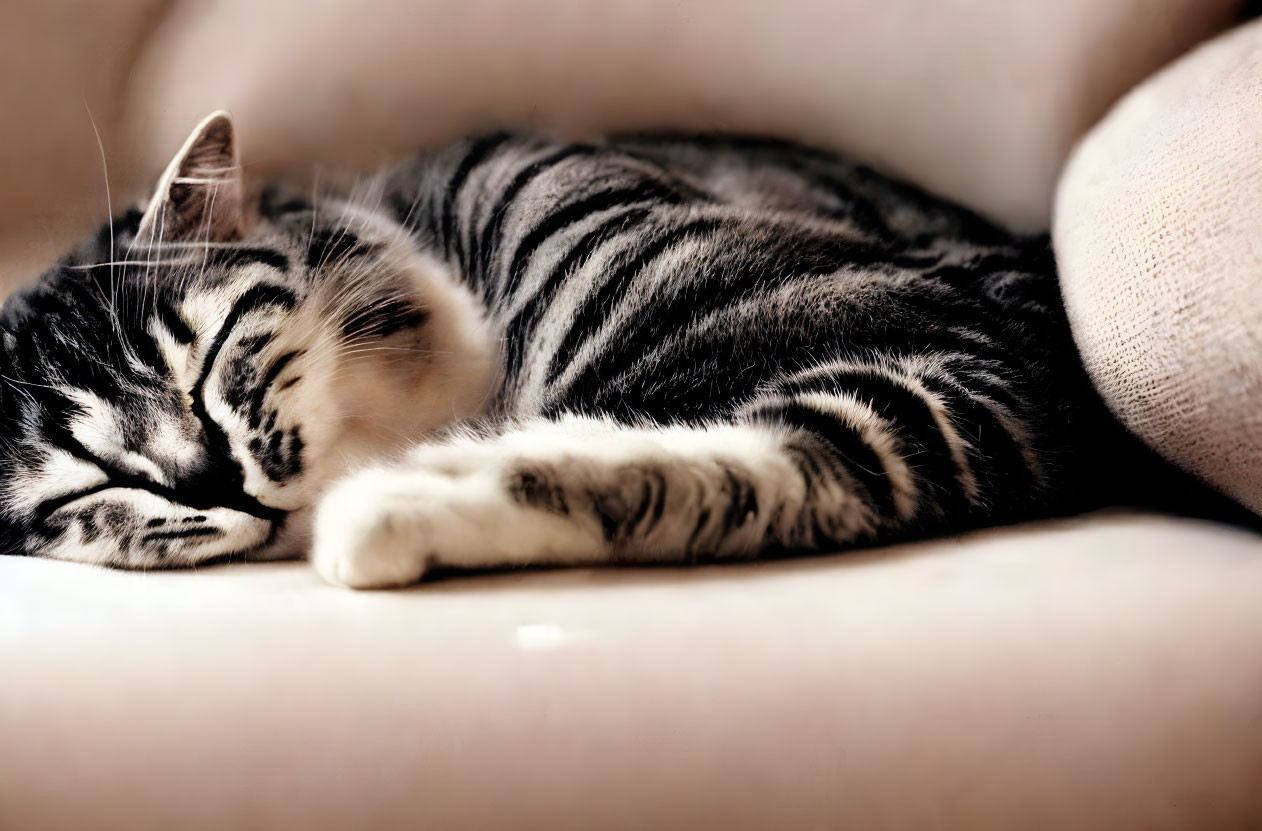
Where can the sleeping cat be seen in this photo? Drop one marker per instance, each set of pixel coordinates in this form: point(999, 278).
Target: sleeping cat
point(514, 351)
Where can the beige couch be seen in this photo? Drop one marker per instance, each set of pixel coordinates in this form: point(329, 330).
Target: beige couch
point(1103, 672)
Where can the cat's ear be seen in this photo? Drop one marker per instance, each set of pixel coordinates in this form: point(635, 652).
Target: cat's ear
point(201, 196)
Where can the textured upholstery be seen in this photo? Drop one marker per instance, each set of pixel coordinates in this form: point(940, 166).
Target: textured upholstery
point(1159, 239)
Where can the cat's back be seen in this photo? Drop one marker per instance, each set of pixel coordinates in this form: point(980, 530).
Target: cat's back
point(703, 266)
point(479, 181)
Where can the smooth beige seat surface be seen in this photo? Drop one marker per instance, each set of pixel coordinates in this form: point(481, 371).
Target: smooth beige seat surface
point(1101, 673)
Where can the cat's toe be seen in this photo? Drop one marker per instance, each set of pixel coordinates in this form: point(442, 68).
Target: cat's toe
point(362, 541)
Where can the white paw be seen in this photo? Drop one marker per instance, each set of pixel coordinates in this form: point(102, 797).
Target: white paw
point(366, 534)
point(385, 527)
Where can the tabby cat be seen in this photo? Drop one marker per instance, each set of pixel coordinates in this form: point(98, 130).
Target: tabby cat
point(516, 351)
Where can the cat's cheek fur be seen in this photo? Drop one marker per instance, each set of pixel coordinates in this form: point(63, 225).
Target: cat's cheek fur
point(464, 350)
point(138, 529)
point(292, 541)
point(385, 399)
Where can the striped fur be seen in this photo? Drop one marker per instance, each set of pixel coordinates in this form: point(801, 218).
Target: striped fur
point(644, 349)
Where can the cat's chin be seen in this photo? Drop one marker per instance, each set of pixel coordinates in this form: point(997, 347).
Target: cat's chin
point(291, 541)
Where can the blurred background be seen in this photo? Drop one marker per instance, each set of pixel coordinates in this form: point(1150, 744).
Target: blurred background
point(979, 100)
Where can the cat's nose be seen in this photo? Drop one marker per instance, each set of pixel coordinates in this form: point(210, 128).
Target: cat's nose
point(209, 482)
point(218, 482)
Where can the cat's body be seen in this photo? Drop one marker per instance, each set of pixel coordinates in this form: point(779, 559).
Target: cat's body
point(515, 351)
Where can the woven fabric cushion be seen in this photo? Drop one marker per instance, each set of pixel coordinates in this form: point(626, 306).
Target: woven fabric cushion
point(1159, 235)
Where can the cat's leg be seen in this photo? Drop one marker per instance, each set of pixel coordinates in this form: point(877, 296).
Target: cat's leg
point(568, 492)
point(842, 454)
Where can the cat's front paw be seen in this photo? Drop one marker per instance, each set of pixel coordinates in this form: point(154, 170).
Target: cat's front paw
point(365, 534)
point(457, 508)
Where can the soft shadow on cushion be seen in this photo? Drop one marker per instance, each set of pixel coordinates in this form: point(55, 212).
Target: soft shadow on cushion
point(1159, 236)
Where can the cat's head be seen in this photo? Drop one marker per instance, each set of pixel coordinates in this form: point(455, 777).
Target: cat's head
point(183, 385)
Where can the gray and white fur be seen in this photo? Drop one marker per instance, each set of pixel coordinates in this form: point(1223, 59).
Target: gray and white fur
point(515, 351)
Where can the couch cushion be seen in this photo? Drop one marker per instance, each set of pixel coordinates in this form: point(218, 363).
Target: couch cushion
point(978, 101)
point(1102, 673)
point(1159, 238)
point(63, 68)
